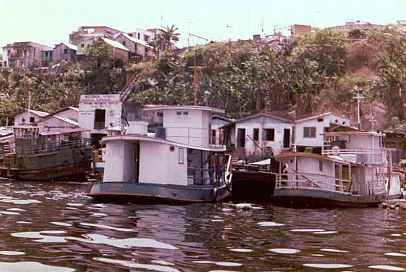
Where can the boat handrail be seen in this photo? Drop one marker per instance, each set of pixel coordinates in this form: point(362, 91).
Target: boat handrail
point(331, 151)
point(311, 180)
point(32, 149)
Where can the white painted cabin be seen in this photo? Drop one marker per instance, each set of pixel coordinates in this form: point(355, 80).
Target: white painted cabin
point(29, 117)
point(175, 154)
point(309, 132)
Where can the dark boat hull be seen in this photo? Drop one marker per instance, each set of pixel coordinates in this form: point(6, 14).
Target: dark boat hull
point(157, 193)
point(311, 198)
point(72, 171)
point(253, 185)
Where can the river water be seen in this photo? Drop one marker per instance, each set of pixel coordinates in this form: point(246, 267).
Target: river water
point(57, 228)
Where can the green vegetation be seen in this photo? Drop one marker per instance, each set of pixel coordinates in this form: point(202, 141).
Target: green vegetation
point(313, 73)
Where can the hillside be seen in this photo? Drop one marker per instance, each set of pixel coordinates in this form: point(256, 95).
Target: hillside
point(313, 73)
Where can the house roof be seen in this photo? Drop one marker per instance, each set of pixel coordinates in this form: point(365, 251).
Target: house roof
point(115, 44)
point(226, 119)
point(316, 116)
point(71, 46)
point(66, 108)
point(38, 113)
point(135, 40)
point(267, 115)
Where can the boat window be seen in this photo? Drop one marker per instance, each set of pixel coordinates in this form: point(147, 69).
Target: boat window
point(256, 134)
point(309, 132)
point(269, 134)
point(160, 114)
point(181, 155)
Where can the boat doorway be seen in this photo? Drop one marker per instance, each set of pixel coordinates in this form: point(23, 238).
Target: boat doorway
point(95, 139)
point(286, 138)
point(136, 160)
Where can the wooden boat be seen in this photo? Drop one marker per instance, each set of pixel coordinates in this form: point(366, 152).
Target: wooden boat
point(177, 163)
point(350, 172)
point(46, 154)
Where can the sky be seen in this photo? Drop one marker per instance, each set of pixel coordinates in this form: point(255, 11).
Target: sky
point(50, 21)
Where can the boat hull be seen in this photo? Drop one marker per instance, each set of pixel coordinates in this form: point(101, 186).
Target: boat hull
point(157, 193)
point(253, 185)
point(77, 171)
point(312, 198)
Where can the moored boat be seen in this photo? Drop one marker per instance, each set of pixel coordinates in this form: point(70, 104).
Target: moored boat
point(174, 162)
point(350, 172)
point(46, 154)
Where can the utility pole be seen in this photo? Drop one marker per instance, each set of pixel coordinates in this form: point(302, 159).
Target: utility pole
point(358, 97)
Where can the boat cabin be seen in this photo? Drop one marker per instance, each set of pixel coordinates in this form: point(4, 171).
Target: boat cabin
point(175, 149)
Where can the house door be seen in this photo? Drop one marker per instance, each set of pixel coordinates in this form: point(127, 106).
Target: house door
point(286, 138)
point(136, 158)
point(241, 137)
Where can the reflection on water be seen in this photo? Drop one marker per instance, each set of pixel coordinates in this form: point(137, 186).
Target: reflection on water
point(56, 227)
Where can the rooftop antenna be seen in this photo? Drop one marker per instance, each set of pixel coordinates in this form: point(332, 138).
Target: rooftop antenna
point(262, 27)
point(372, 119)
point(358, 97)
point(228, 27)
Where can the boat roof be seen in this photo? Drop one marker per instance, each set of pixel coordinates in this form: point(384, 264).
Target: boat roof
point(271, 115)
point(139, 137)
point(58, 131)
point(290, 155)
point(317, 116)
point(179, 107)
point(352, 132)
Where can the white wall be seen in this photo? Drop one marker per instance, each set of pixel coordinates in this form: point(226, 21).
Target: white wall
point(26, 115)
point(56, 123)
point(120, 163)
point(300, 140)
point(262, 123)
point(159, 165)
point(191, 129)
point(88, 105)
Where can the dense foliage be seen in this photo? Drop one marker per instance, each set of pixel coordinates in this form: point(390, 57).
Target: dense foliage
point(314, 72)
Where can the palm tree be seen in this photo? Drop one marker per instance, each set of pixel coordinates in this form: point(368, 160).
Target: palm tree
point(166, 38)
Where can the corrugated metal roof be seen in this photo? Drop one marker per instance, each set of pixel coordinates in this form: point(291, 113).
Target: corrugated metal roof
point(115, 44)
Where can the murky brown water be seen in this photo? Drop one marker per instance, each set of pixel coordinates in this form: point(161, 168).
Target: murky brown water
point(56, 227)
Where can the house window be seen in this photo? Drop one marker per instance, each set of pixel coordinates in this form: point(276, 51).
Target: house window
point(185, 113)
point(124, 43)
point(100, 119)
point(320, 120)
point(139, 36)
point(309, 132)
point(320, 165)
point(181, 155)
point(65, 51)
point(32, 119)
point(256, 134)
point(269, 134)
point(178, 113)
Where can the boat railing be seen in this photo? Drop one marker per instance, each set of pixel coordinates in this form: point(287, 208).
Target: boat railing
point(198, 137)
point(358, 155)
point(312, 181)
point(206, 176)
point(376, 186)
point(32, 149)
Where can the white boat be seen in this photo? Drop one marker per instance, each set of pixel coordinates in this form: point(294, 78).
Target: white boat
point(350, 172)
point(174, 162)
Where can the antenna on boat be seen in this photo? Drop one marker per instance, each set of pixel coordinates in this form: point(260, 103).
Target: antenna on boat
point(372, 119)
point(358, 97)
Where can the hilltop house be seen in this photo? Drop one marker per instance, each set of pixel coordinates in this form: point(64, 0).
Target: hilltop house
point(64, 52)
point(26, 55)
point(139, 50)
